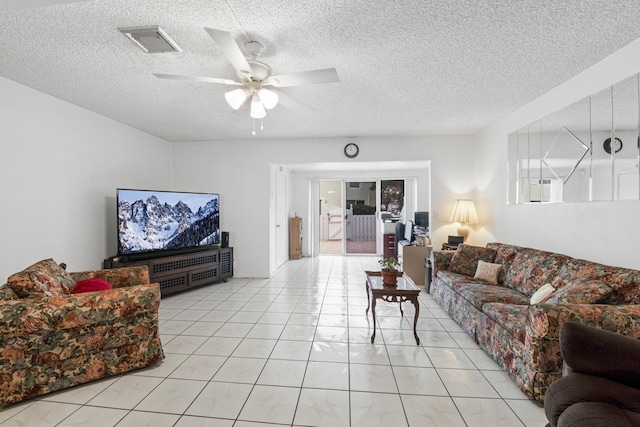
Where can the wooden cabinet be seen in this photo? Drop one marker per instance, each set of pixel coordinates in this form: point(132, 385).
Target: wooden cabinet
point(388, 245)
point(295, 238)
point(413, 261)
point(176, 273)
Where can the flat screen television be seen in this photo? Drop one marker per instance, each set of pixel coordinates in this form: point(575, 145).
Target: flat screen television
point(421, 219)
point(151, 221)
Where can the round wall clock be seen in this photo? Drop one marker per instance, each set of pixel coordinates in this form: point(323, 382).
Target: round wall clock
point(351, 150)
point(617, 145)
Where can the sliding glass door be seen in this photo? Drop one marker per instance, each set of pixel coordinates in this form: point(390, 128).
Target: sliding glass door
point(350, 214)
point(360, 217)
point(392, 199)
point(331, 218)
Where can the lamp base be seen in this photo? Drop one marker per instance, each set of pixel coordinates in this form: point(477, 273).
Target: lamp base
point(464, 232)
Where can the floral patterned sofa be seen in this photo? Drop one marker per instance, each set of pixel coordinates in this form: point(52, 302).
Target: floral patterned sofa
point(521, 334)
point(51, 338)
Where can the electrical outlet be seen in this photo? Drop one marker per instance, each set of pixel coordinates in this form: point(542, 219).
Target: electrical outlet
point(436, 215)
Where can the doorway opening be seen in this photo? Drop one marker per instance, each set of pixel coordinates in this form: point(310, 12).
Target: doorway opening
point(350, 213)
point(360, 217)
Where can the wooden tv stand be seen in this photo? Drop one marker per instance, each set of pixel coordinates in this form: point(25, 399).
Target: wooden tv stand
point(176, 273)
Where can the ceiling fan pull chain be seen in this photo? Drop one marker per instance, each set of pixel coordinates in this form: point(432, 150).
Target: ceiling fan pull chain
point(261, 124)
point(254, 127)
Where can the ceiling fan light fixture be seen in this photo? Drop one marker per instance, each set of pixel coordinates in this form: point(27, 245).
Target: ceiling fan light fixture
point(235, 98)
point(257, 108)
point(268, 97)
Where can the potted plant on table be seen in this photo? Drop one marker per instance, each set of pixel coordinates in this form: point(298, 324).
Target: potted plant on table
point(390, 269)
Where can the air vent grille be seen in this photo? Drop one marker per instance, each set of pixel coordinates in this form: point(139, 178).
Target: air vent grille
point(204, 275)
point(173, 282)
point(167, 266)
point(151, 39)
point(225, 263)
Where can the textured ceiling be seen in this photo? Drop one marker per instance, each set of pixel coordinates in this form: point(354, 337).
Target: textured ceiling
point(406, 67)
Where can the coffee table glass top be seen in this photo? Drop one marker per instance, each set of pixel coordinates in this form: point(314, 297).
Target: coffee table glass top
point(404, 282)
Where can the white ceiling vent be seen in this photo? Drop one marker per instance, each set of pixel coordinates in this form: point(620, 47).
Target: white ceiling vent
point(151, 39)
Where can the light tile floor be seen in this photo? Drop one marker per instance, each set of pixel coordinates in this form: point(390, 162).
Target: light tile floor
point(295, 351)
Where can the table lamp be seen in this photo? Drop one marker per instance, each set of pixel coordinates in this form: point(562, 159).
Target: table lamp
point(464, 213)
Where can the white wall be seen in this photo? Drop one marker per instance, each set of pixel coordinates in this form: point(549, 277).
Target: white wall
point(60, 166)
point(240, 172)
point(606, 232)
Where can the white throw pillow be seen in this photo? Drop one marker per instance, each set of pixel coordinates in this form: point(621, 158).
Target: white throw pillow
point(488, 272)
point(542, 293)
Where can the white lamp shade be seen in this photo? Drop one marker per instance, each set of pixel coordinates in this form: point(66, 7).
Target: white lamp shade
point(257, 109)
point(268, 97)
point(464, 212)
point(235, 98)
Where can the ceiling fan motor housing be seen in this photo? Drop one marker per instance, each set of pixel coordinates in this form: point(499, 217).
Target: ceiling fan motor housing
point(253, 49)
point(261, 71)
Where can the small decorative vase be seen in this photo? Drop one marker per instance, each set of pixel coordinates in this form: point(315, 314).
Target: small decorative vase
point(389, 278)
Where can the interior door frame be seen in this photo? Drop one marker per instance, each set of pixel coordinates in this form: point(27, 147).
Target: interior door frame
point(278, 221)
point(281, 219)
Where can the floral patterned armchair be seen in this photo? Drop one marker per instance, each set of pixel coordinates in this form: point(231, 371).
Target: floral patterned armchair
point(51, 339)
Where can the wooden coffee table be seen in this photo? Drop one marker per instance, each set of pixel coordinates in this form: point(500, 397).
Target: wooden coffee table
point(406, 290)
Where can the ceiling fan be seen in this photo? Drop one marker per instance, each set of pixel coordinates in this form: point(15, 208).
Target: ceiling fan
point(254, 77)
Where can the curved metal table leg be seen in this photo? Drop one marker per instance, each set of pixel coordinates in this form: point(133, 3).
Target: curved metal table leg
point(373, 313)
point(366, 286)
point(416, 304)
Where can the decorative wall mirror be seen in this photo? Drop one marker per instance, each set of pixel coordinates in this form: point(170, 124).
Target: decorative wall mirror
point(587, 151)
point(626, 114)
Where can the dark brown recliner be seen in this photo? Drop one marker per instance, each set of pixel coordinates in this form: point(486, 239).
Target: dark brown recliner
point(602, 388)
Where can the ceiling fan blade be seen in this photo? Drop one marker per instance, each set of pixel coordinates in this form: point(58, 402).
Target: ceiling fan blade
point(231, 51)
point(288, 102)
point(198, 79)
point(326, 75)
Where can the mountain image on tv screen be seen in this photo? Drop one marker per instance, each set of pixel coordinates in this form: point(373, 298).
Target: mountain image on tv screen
point(160, 220)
